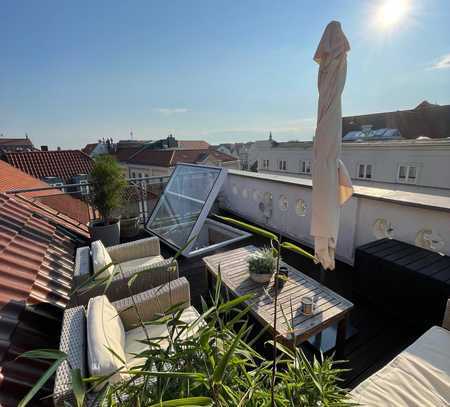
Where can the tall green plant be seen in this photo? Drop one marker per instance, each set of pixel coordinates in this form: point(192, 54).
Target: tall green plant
point(208, 362)
point(277, 246)
point(107, 183)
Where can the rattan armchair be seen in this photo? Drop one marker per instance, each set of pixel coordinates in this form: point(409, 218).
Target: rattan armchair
point(126, 264)
point(73, 341)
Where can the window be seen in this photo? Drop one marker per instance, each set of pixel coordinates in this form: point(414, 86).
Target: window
point(83, 188)
point(365, 171)
point(140, 175)
point(407, 173)
point(265, 164)
point(282, 165)
point(133, 175)
point(305, 167)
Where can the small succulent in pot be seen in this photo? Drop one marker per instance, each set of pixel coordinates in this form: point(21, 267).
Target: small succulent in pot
point(261, 265)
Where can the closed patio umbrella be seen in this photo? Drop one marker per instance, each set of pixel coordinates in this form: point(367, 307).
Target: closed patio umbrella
point(331, 183)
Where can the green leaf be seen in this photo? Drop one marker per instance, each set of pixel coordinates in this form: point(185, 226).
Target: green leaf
point(235, 302)
point(138, 372)
point(78, 387)
point(219, 371)
point(52, 354)
point(254, 229)
point(44, 354)
point(185, 402)
point(294, 248)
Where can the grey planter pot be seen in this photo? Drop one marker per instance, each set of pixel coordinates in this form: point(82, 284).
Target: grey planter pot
point(129, 227)
point(109, 234)
point(260, 278)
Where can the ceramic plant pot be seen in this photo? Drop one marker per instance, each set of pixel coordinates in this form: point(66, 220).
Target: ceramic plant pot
point(108, 234)
point(261, 278)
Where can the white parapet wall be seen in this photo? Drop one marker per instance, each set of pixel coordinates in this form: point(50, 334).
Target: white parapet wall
point(283, 204)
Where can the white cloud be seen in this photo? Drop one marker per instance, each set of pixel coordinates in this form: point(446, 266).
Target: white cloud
point(168, 111)
point(442, 63)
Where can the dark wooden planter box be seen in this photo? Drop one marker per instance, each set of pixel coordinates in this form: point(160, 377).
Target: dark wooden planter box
point(405, 280)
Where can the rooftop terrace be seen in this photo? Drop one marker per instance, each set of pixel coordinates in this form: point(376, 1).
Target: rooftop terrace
point(376, 334)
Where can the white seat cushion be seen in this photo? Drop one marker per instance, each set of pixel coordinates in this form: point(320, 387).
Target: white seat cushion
point(104, 331)
point(143, 261)
point(100, 259)
point(133, 336)
point(419, 376)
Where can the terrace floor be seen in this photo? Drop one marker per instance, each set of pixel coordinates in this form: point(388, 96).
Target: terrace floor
point(379, 336)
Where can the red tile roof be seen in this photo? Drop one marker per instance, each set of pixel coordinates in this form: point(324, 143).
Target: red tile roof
point(169, 158)
point(36, 268)
point(64, 164)
point(89, 148)
point(55, 201)
point(124, 153)
point(193, 144)
point(15, 142)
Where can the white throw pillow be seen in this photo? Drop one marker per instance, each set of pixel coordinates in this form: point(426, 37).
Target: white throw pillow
point(100, 259)
point(105, 331)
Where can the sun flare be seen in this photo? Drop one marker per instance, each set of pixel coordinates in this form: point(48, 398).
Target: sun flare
point(391, 12)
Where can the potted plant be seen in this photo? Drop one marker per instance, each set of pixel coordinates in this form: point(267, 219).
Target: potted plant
point(129, 219)
point(261, 265)
point(107, 183)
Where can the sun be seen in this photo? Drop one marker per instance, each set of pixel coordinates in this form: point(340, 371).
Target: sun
point(392, 12)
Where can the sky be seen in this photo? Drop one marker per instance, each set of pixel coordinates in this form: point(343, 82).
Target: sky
point(72, 72)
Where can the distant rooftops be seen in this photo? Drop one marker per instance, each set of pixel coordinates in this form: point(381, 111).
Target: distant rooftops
point(63, 164)
point(426, 120)
point(15, 144)
point(368, 134)
point(169, 158)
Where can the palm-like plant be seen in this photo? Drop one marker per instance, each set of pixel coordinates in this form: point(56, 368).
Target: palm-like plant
point(277, 246)
point(214, 365)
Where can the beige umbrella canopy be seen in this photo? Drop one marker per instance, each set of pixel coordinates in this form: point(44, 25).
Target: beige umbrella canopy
point(331, 183)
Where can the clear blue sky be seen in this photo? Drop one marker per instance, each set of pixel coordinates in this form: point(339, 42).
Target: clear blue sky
point(72, 72)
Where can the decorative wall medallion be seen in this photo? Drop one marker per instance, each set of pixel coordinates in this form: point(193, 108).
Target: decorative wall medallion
point(300, 207)
point(283, 203)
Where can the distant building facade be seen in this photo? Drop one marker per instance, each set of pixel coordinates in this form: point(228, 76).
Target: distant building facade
point(374, 154)
point(238, 150)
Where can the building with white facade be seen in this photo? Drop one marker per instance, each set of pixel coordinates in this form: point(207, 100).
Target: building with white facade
point(424, 163)
point(238, 150)
point(394, 149)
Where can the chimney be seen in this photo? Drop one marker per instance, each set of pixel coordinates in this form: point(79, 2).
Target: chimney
point(58, 148)
point(44, 148)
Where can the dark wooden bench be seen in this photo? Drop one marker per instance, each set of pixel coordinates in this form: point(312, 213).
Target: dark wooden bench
point(405, 280)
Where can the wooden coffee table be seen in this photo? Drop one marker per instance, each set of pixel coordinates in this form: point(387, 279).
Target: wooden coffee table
point(329, 309)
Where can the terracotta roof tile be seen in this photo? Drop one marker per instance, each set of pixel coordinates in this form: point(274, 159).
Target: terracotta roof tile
point(15, 141)
point(70, 208)
point(89, 148)
point(169, 158)
point(193, 144)
point(36, 268)
point(124, 153)
point(64, 164)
